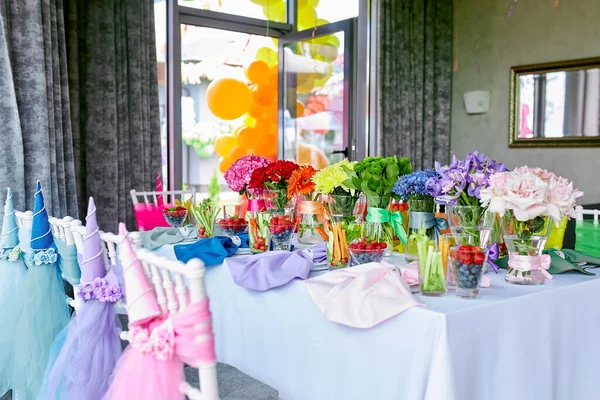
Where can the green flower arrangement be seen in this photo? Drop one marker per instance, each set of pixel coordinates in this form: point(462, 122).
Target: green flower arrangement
point(376, 177)
point(330, 180)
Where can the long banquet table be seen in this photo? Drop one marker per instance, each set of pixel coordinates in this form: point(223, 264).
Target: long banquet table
point(516, 342)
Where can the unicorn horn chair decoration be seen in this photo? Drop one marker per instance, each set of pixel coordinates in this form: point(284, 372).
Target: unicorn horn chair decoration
point(12, 275)
point(86, 361)
point(43, 311)
point(160, 344)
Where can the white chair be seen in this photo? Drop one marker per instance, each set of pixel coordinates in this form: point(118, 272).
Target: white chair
point(110, 246)
point(61, 229)
point(172, 281)
point(24, 219)
point(169, 196)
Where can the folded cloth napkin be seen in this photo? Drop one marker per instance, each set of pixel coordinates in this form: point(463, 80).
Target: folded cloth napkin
point(274, 268)
point(410, 273)
point(362, 296)
point(211, 251)
point(158, 237)
point(562, 261)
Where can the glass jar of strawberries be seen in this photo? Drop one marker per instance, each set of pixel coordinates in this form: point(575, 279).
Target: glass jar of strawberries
point(282, 229)
point(367, 250)
point(468, 266)
point(233, 226)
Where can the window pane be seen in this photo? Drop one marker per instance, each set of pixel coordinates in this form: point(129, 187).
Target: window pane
point(160, 29)
point(236, 117)
point(273, 10)
point(313, 13)
point(316, 126)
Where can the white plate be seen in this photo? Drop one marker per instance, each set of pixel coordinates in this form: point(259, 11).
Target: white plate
point(242, 251)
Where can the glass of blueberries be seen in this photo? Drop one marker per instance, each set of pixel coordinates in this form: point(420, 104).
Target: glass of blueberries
point(282, 227)
point(468, 264)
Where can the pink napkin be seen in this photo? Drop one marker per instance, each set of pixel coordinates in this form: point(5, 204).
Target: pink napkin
point(410, 274)
point(362, 296)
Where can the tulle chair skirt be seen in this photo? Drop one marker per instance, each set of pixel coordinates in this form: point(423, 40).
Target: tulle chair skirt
point(43, 313)
point(12, 275)
point(82, 368)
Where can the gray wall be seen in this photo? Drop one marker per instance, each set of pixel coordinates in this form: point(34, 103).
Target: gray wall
point(535, 33)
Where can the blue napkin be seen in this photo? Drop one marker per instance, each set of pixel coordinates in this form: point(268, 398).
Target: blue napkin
point(211, 251)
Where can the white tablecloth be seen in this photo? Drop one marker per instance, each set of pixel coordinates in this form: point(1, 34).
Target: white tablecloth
point(515, 343)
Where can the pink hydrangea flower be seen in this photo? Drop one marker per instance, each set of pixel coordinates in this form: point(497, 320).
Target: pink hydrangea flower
point(238, 175)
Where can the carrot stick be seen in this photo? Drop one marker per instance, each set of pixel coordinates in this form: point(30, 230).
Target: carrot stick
point(444, 248)
point(344, 245)
point(322, 232)
point(336, 244)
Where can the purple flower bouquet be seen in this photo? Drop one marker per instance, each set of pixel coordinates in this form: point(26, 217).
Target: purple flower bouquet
point(459, 187)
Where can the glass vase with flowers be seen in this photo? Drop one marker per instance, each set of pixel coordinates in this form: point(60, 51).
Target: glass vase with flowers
point(273, 180)
point(376, 177)
point(310, 210)
point(458, 186)
point(238, 178)
point(342, 223)
point(528, 200)
point(413, 188)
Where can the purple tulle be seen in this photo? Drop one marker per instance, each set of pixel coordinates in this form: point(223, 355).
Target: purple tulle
point(85, 364)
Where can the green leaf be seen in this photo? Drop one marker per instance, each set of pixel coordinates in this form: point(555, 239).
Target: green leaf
point(391, 172)
point(404, 166)
point(367, 190)
point(349, 183)
point(357, 183)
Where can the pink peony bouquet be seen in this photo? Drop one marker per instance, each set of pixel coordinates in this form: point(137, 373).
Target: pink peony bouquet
point(529, 193)
point(239, 174)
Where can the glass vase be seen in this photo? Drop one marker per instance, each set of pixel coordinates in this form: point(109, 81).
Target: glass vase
point(420, 213)
point(377, 225)
point(281, 227)
point(401, 207)
point(278, 202)
point(468, 264)
point(475, 222)
point(557, 235)
point(525, 242)
point(259, 234)
point(310, 220)
point(343, 228)
point(432, 272)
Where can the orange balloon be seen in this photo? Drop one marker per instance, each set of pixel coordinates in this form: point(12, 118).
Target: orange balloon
point(263, 126)
point(248, 138)
point(299, 108)
point(257, 72)
point(263, 94)
point(224, 164)
point(271, 112)
point(256, 110)
point(311, 155)
point(274, 75)
point(228, 98)
point(237, 130)
point(236, 153)
point(224, 144)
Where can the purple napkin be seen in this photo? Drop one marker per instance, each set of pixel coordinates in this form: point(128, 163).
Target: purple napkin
point(274, 268)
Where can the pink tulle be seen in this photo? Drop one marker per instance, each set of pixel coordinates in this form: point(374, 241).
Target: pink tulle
point(141, 375)
point(150, 216)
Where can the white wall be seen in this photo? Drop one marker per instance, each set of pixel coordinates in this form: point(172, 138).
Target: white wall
point(535, 33)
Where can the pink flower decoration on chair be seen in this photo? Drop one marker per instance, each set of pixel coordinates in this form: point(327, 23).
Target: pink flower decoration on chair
point(160, 342)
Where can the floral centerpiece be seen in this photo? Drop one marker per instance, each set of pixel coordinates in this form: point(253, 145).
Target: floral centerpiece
point(376, 177)
point(302, 187)
point(239, 174)
point(413, 188)
point(273, 180)
point(343, 225)
point(459, 186)
point(528, 200)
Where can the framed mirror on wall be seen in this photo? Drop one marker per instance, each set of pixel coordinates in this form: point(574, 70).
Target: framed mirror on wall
point(555, 104)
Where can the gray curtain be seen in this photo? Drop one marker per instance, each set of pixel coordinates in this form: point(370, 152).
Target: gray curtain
point(415, 79)
point(114, 86)
point(35, 126)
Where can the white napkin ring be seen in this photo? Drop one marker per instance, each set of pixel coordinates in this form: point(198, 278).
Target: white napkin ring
point(309, 253)
point(236, 240)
